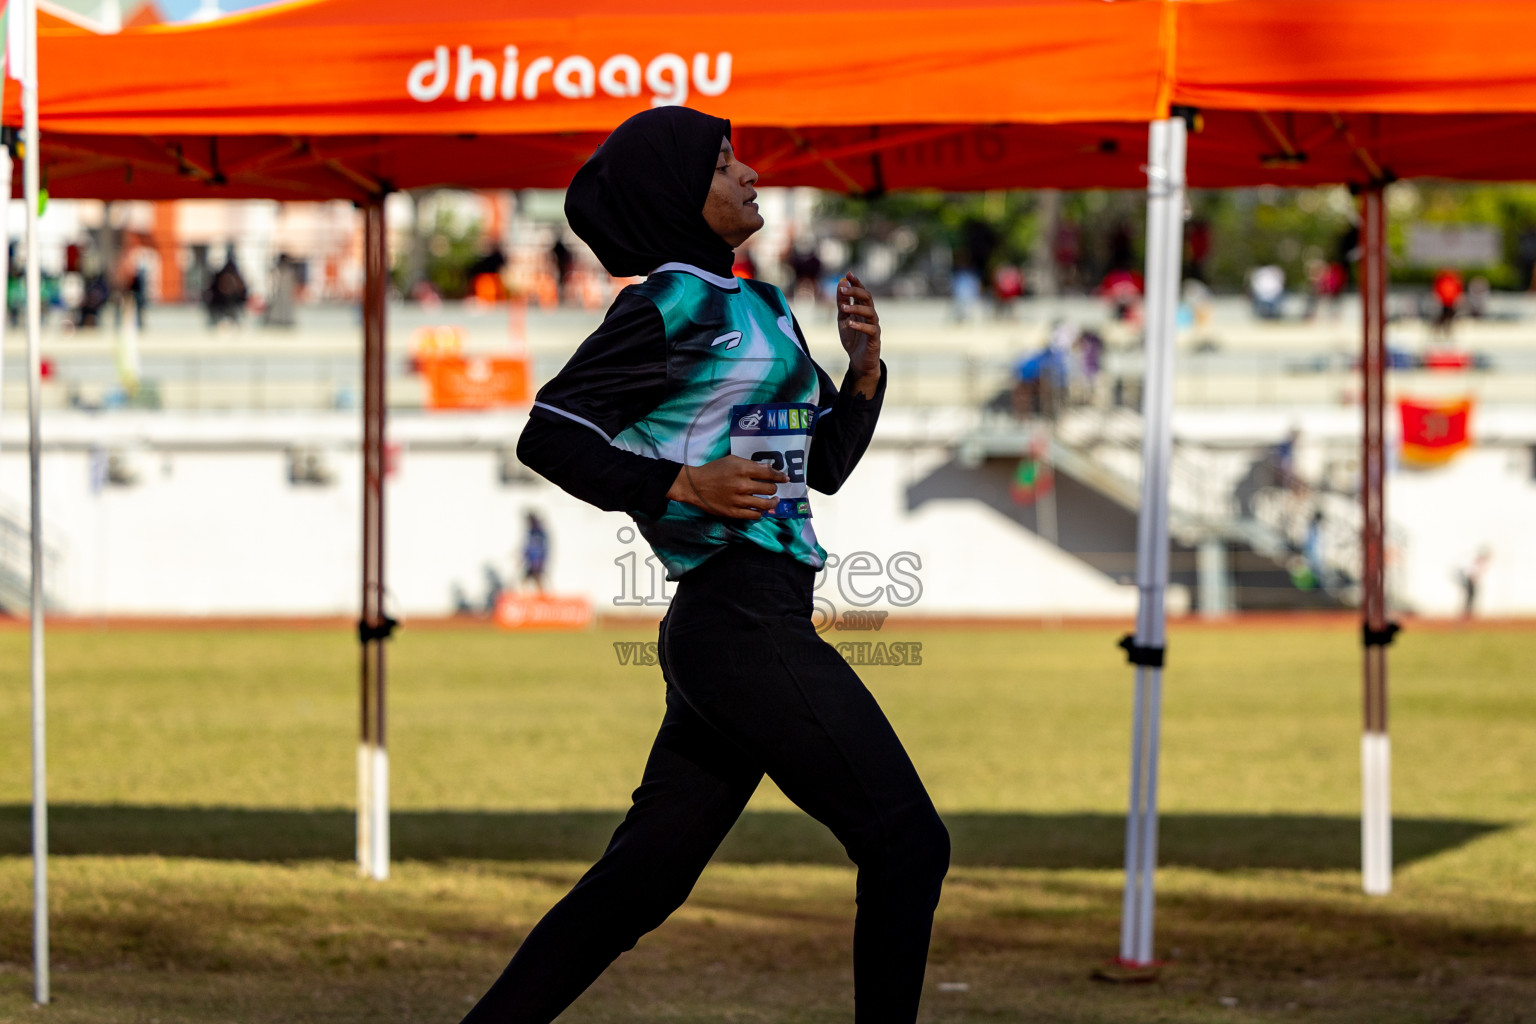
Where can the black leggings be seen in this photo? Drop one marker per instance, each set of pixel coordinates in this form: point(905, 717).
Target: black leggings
point(751, 689)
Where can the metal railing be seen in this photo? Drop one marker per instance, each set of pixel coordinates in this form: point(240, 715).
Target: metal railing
point(16, 563)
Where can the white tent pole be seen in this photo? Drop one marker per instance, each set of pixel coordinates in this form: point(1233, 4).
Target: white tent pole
point(1165, 218)
point(1130, 909)
point(31, 183)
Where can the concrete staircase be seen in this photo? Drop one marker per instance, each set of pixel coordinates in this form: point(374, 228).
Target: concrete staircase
point(1211, 511)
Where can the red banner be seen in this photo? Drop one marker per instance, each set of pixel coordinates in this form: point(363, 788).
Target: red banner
point(1434, 432)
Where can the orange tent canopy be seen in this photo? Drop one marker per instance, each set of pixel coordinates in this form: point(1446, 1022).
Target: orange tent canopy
point(349, 97)
point(1377, 56)
point(1301, 92)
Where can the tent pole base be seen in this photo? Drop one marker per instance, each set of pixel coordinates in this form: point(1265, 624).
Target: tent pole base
point(1127, 972)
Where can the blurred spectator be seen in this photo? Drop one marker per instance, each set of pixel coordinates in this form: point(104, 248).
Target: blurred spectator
point(1313, 549)
point(1275, 468)
point(1123, 290)
point(973, 259)
point(98, 292)
point(484, 273)
point(461, 605)
point(1090, 358)
point(1040, 382)
point(1284, 456)
point(978, 241)
point(1347, 253)
point(1325, 283)
point(1475, 302)
point(1197, 236)
point(563, 262)
point(1028, 384)
point(1525, 258)
point(965, 291)
point(493, 589)
point(1007, 288)
point(535, 552)
point(1266, 290)
point(136, 292)
point(1122, 255)
point(1195, 307)
point(1447, 291)
point(805, 267)
point(15, 289)
point(1066, 250)
point(1470, 576)
point(225, 296)
point(282, 296)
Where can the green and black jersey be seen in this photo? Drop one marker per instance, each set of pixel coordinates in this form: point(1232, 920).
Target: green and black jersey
point(687, 368)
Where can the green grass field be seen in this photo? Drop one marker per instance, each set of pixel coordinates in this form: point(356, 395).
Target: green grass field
point(202, 781)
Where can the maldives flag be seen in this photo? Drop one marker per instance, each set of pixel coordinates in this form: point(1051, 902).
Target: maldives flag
point(1433, 432)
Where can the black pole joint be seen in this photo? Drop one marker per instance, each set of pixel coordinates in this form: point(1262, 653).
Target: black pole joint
point(1136, 654)
point(1379, 637)
point(1193, 120)
point(381, 630)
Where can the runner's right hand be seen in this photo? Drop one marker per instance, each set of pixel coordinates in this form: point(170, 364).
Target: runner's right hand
point(732, 487)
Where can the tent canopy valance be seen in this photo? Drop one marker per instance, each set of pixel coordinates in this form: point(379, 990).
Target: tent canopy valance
point(870, 159)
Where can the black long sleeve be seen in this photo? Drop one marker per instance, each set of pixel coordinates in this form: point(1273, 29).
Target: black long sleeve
point(582, 464)
point(620, 374)
point(614, 378)
point(843, 432)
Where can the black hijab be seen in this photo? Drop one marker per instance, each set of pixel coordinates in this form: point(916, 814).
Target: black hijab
point(639, 200)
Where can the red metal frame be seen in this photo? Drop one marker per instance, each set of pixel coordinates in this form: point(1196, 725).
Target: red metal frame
point(1373, 363)
point(373, 614)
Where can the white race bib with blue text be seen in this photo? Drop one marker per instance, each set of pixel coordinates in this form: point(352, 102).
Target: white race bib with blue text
point(777, 434)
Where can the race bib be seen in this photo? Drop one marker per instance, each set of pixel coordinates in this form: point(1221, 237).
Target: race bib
point(777, 434)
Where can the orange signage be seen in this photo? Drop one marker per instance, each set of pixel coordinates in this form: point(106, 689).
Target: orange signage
point(475, 382)
point(542, 611)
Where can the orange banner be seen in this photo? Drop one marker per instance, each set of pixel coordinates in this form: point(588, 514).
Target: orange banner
point(542, 611)
point(472, 382)
point(1434, 432)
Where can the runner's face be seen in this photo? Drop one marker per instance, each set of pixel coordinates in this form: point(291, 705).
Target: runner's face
point(730, 209)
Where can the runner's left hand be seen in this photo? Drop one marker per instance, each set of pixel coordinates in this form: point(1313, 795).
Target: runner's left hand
point(858, 328)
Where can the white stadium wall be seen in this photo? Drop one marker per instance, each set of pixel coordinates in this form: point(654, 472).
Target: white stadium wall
point(212, 525)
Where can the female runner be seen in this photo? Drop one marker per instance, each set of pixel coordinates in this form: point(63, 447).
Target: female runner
point(692, 408)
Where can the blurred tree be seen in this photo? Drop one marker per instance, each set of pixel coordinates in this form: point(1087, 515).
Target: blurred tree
point(1511, 208)
point(926, 230)
point(1244, 228)
point(1285, 227)
point(933, 232)
point(451, 247)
